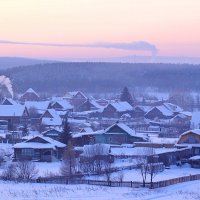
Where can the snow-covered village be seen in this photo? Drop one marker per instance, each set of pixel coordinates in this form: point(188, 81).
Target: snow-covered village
point(91, 144)
point(99, 100)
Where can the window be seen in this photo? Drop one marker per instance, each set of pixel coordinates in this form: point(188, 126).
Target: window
point(27, 152)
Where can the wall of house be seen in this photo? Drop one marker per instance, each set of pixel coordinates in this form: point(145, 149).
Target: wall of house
point(189, 138)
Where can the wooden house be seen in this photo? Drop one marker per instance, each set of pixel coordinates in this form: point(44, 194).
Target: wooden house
point(76, 98)
point(39, 148)
point(30, 95)
point(52, 133)
point(89, 105)
point(51, 119)
point(190, 139)
point(61, 105)
point(159, 112)
point(117, 109)
point(118, 133)
point(14, 115)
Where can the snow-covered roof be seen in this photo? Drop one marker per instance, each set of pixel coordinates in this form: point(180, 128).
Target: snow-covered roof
point(173, 107)
point(34, 145)
point(195, 131)
point(55, 121)
point(119, 151)
point(197, 157)
point(37, 145)
point(10, 100)
point(144, 108)
point(64, 103)
point(95, 104)
point(121, 106)
point(74, 93)
point(12, 110)
point(163, 110)
point(96, 149)
point(86, 130)
point(124, 127)
point(30, 90)
point(38, 105)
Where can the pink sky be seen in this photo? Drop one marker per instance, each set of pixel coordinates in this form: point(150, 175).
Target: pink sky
point(173, 26)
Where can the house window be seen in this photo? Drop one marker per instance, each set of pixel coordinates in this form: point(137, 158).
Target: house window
point(27, 152)
point(196, 151)
point(192, 140)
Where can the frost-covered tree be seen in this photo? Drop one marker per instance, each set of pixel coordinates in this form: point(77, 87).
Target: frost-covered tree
point(68, 165)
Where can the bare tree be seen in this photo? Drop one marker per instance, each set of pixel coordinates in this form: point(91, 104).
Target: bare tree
point(9, 172)
point(94, 157)
point(120, 176)
point(142, 162)
point(154, 167)
point(25, 170)
point(107, 169)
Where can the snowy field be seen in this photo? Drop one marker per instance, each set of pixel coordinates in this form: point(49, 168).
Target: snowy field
point(34, 191)
point(135, 175)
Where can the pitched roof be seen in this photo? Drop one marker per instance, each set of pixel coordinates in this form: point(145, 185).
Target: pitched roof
point(12, 110)
point(39, 105)
point(122, 126)
point(195, 131)
point(37, 145)
point(64, 103)
point(74, 93)
point(30, 90)
point(121, 106)
point(9, 100)
point(173, 107)
point(163, 110)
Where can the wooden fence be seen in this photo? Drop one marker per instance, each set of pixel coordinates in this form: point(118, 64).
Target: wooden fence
point(133, 184)
point(175, 181)
point(65, 180)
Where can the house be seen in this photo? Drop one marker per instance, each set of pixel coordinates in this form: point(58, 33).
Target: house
point(53, 133)
point(117, 109)
point(30, 95)
point(164, 111)
point(117, 133)
point(76, 98)
point(61, 105)
point(50, 119)
point(36, 109)
point(102, 102)
point(39, 148)
point(8, 101)
point(89, 105)
point(159, 112)
point(190, 139)
point(14, 114)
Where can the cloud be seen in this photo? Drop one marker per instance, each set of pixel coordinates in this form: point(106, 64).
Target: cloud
point(131, 46)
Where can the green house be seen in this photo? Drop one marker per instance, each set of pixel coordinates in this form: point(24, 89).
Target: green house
point(117, 133)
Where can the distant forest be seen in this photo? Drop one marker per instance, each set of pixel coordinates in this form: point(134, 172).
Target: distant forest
point(58, 78)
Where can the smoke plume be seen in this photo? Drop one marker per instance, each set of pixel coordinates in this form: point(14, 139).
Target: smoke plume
point(131, 46)
point(5, 83)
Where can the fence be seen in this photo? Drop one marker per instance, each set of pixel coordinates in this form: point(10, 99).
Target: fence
point(175, 181)
point(65, 180)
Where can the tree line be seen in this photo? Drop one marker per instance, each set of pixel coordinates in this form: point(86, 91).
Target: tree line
point(57, 78)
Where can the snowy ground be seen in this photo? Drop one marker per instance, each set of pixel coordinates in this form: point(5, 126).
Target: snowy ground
point(34, 191)
point(135, 175)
